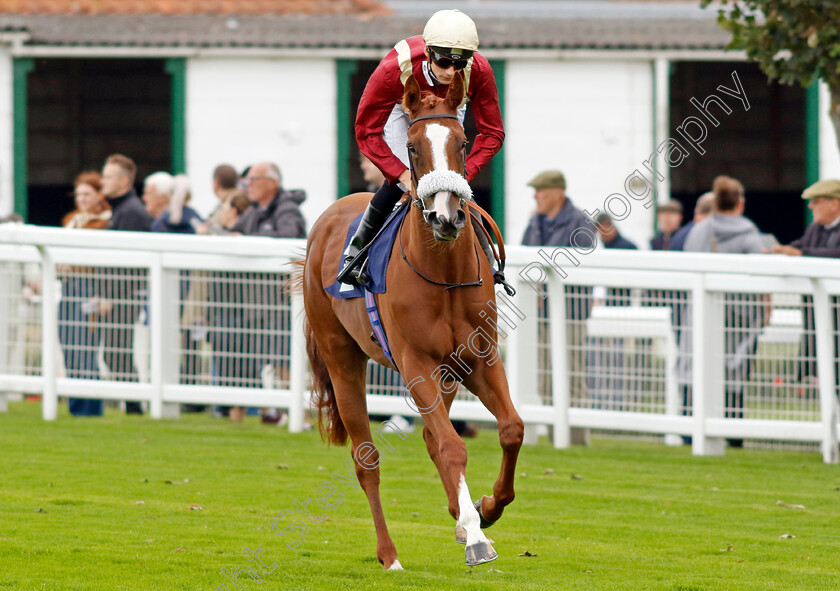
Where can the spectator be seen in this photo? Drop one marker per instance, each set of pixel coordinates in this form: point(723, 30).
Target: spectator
point(610, 235)
point(80, 305)
point(118, 187)
point(669, 216)
point(166, 198)
point(225, 184)
point(821, 239)
point(728, 231)
point(556, 218)
point(250, 310)
point(372, 175)
point(120, 288)
point(554, 224)
point(703, 209)
point(232, 209)
point(273, 212)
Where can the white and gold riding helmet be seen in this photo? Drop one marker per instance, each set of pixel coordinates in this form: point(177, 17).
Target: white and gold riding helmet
point(452, 34)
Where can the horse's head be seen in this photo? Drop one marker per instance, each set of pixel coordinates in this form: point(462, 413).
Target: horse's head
point(437, 150)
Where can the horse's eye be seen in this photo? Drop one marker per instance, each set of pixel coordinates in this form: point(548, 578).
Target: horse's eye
point(464, 145)
point(411, 148)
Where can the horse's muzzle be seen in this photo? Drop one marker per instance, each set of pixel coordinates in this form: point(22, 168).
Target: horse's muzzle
point(446, 229)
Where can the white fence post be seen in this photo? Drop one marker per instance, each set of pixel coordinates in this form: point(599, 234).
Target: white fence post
point(297, 371)
point(49, 335)
point(154, 286)
point(521, 354)
point(559, 362)
point(825, 371)
point(707, 367)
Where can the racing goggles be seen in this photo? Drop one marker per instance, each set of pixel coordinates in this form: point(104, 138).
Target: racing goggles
point(445, 62)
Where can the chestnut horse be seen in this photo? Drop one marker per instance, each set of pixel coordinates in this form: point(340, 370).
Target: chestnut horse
point(440, 289)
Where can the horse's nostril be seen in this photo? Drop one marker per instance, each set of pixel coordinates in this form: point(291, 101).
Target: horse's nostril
point(460, 218)
point(433, 219)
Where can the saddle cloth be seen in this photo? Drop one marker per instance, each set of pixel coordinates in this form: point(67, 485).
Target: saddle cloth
point(379, 255)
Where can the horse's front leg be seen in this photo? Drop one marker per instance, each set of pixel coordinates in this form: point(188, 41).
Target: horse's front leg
point(489, 384)
point(449, 453)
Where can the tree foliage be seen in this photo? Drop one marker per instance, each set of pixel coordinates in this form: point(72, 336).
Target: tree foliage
point(792, 40)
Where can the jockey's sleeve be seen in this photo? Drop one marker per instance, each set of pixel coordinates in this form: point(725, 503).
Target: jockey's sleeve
point(382, 92)
point(488, 120)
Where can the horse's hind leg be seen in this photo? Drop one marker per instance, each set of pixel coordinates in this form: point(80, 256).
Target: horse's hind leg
point(348, 367)
point(489, 384)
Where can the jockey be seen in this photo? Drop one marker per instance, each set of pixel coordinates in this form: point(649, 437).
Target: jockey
point(448, 45)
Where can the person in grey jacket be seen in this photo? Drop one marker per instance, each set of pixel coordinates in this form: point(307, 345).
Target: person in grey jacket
point(728, 231)
point(274, 212)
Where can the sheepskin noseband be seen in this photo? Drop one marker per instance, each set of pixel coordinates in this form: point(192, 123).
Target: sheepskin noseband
point(435, 181)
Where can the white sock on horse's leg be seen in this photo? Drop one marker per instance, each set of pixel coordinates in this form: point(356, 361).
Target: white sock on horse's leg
point(468, 516)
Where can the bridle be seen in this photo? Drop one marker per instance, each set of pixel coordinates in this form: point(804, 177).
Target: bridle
point(419, 204)
point(414, 180)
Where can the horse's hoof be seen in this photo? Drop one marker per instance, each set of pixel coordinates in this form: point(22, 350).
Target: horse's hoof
point(460, 534)
point(484, 523)
point(396, 566)
point(480, 553)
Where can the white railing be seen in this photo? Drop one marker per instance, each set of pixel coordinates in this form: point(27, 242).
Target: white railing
point(615, 340)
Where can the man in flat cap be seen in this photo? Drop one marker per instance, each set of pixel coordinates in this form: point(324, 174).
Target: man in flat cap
point(556, 218)
point(821, 238)
point(669, 216)
point(554, 224)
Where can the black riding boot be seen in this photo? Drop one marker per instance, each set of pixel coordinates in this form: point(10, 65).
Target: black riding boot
point(377, 212)
point(369, 225)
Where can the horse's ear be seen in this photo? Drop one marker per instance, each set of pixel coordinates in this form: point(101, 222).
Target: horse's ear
point(455, 94)
point(411, 96)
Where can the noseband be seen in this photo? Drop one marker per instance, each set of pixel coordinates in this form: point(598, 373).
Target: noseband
point(414, 180)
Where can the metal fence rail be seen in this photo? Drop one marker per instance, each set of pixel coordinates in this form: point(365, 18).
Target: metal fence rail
point(711, 347)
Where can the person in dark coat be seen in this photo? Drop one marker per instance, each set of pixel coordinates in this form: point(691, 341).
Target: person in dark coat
point(274, 212)
point(251, 328)
point(669, 216)
point(555, 223)
point(556, 218)
point(610, 235)
point(821, 239)
point(129, 214)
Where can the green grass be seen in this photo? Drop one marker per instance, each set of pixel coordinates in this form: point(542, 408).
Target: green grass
point(641, 516)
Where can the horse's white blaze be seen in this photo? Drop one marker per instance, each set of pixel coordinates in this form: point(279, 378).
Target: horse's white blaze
point(437, 135)
point(468, 517)
point(441, 205)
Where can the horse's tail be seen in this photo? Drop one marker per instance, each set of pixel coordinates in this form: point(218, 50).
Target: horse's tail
point(329, 420)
